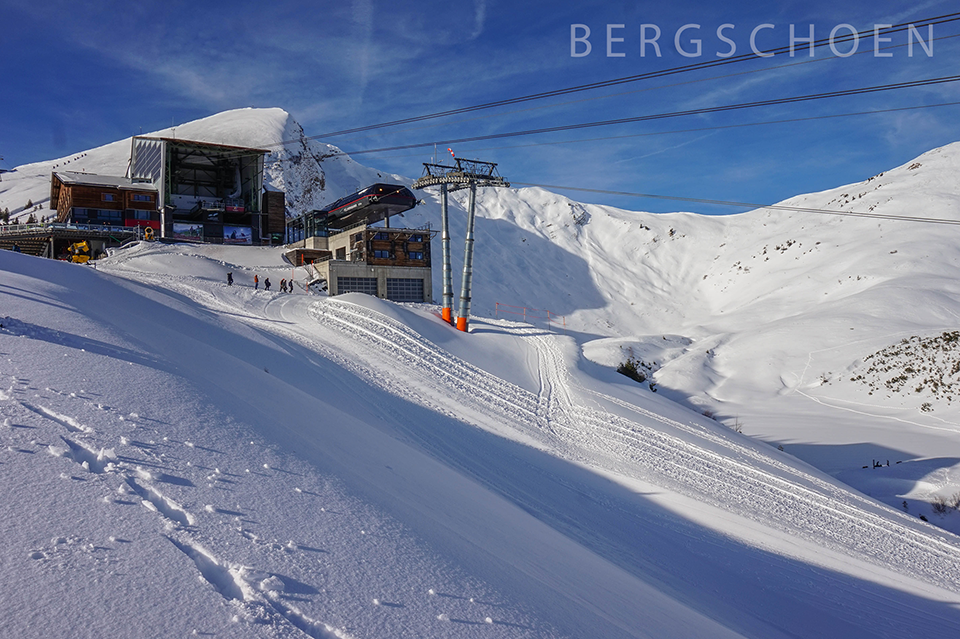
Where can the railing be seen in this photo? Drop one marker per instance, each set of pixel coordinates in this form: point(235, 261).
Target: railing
point(21, 229)
point(532, 315)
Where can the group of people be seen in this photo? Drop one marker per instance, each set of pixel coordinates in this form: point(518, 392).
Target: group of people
point(284, 286)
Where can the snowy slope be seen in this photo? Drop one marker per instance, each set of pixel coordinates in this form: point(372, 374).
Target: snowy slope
point(811, 332)
point(744, 317)
point(229, 461)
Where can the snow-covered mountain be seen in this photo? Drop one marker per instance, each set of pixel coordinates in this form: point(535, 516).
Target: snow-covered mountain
point(229, 461)
point(312, 173)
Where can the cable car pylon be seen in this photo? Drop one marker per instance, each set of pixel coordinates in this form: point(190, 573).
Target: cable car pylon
point(465, 174)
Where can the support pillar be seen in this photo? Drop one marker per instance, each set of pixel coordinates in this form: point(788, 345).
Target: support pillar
point(447, 309)
point(464, 315)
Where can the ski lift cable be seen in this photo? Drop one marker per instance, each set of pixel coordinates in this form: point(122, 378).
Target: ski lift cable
point(944, 19)
point(671, 114)
point(779, 67)
point(701, 129)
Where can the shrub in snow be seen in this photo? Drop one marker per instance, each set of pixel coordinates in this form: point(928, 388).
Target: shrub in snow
point(630, 369)
point(939, 505)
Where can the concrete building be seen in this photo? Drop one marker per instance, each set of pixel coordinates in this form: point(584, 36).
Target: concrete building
point(344, 253)
point(389, 263)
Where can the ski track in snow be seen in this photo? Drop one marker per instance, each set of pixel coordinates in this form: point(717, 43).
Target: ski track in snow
point(809, 506)
point(722, 472)
point(262, 607)
point(806, 505)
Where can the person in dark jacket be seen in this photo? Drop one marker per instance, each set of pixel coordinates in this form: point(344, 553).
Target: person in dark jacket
point(230, 279)
point(266, 283)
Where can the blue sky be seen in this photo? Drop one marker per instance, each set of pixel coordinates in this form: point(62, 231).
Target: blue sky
point(78, 75)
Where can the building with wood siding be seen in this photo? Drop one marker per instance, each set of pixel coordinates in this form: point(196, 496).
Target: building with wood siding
point(182, 190)
point(105, 200)
point(274, 208)
point(389, 263)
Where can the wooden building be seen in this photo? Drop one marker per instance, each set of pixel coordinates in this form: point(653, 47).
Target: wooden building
point(104, 200)
point(390, 263)
point(274, 209)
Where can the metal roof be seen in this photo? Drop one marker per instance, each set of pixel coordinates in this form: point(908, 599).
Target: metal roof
point(91, 179)
point(215, 145)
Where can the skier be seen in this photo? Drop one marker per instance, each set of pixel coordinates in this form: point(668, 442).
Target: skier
point(229, 279)
point(283, 286)
point(256, 282)
point(266, 284)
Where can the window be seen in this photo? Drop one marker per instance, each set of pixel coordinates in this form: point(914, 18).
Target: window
point(342, 253)
point(142, 197)
point(134, 214)
point(98, 216)
point(381, 236)
point(416, 238)
point(80, 215)
point(385, 255)
point(110, 217)
point(415, 255)
point(356, 237)
point(107, 197)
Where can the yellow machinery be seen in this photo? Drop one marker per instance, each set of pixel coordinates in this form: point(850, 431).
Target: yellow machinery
point(79, 252)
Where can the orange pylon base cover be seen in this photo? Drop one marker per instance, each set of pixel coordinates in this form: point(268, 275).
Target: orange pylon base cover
point(462, 324)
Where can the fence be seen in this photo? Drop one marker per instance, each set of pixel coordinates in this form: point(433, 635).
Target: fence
point(43, 227)
point(533, 315)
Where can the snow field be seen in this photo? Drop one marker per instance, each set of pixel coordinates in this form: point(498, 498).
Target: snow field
point(301, 466)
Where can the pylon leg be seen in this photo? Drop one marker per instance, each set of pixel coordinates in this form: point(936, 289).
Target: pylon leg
point(447, 315)
point(464, 313)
